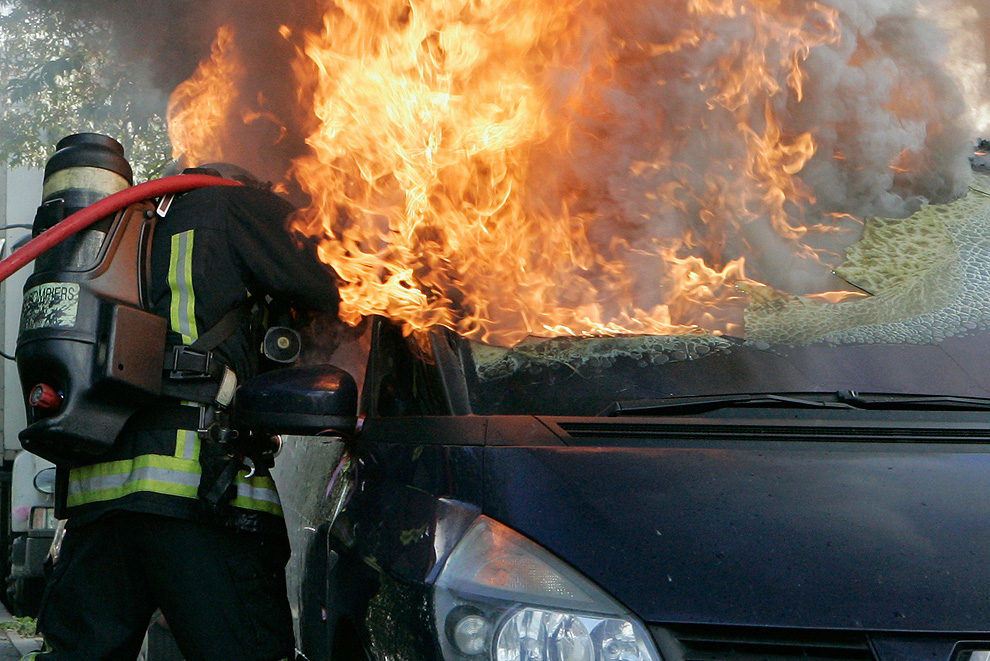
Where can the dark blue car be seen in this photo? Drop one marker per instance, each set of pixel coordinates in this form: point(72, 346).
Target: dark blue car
point(678, 498)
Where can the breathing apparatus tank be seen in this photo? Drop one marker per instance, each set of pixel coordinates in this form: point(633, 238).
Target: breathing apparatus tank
point(88, 353)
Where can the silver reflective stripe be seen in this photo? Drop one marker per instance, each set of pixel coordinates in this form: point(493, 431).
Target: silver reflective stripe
point(186, 444)
point(258, 493)
point(182, 309)
point(153, 473)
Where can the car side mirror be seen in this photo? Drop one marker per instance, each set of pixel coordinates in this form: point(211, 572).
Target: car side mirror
point(309, 400)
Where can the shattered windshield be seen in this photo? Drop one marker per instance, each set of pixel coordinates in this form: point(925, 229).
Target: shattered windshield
point(918, 325)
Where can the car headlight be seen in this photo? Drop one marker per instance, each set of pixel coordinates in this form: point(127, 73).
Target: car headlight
point(500, 597)
point(44, 480)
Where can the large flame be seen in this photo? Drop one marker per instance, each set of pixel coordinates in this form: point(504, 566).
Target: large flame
point(510, 168)
point(198, 108)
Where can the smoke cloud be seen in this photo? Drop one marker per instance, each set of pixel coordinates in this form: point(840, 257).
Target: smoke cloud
point(893, 54)
point(165, 40)
point(893, 94)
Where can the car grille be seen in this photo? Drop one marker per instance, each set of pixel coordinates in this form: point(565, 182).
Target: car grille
point(704, 643)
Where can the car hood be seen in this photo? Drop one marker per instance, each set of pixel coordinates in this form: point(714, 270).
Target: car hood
point(877, 536)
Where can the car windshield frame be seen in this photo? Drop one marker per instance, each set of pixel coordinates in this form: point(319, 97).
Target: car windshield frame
point(585, 376)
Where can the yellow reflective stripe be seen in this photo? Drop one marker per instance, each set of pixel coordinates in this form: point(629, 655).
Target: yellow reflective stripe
point(150, 472)
point(182, 307)
point(257, 493)
point(162, 474)
point(186, 444)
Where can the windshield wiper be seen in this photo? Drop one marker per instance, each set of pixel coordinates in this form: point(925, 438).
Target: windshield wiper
point(705, 403)
point(886, 401)
point(842, 399)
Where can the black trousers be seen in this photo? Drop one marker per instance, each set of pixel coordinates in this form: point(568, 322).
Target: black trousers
point(221, 591)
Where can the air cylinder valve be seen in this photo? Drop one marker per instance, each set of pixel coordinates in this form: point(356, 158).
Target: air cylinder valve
point(44, 398)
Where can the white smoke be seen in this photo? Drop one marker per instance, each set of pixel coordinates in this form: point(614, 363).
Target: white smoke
point(889, 87)
point(967, 24)
point(890, 106)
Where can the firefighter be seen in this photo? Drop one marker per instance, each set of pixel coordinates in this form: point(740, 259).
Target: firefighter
point(170, 517)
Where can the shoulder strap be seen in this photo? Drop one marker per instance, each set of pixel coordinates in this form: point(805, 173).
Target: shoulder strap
point(224, 328)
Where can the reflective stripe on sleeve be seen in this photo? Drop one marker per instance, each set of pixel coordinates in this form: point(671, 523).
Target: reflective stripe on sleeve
point(182, 308)
point(154, 473)
point(187, 444)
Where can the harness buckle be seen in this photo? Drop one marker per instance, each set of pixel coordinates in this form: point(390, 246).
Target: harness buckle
point(182, 363)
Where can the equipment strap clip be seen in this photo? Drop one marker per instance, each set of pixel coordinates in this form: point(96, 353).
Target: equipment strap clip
point(165, 204)
point(182, 363)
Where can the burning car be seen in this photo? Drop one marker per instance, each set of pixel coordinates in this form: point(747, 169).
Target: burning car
point(680, 309)
point(812, 491)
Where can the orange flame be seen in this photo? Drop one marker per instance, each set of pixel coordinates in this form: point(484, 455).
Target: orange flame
point(198, 108)
point(507, 168)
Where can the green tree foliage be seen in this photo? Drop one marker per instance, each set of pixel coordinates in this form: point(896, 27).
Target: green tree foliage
point(60, 75)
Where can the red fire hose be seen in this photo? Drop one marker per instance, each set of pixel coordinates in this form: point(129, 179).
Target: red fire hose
point(111, 204)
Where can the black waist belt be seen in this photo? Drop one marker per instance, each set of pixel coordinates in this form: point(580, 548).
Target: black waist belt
point(166, 417)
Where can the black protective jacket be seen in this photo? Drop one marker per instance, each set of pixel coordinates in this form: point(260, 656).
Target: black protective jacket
point(214, 248)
